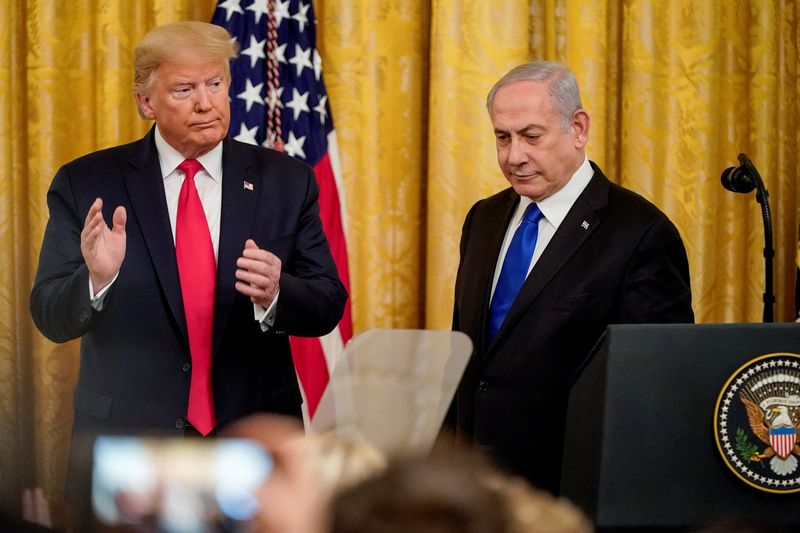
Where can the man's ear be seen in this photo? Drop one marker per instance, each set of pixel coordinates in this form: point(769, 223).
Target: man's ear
point(580, 127)
point(144, 107)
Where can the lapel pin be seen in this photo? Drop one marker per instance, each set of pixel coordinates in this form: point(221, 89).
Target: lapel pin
point(247, 186)
point(585, 225)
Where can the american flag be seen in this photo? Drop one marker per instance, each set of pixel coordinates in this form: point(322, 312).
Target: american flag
point(278, 100)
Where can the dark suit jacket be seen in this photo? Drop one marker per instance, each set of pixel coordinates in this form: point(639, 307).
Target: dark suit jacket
point(627, 266)
point(135, 361)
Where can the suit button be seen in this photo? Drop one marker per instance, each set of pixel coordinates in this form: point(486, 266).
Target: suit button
point(483, 386)
point(85, 316)
point(186, 367)
point(179, 423)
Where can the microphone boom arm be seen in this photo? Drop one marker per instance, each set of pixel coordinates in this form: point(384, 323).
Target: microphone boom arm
point(769, 252)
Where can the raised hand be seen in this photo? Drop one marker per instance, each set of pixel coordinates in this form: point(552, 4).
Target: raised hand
point(103, 248)
point(258, 274)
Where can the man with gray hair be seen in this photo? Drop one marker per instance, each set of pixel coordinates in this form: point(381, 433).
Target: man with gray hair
point(545, 266)
point(183, 260)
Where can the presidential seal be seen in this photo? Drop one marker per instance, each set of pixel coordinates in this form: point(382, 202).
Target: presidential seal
point(756, 419)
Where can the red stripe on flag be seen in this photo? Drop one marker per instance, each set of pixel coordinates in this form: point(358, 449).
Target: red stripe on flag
point(309, 363)
point(330, 213)
point(309, 358)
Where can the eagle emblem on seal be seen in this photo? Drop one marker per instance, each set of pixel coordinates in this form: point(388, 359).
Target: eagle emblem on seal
point(774, 421)
point(756, 422)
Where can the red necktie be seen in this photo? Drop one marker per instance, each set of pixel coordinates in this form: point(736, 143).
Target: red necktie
point(198, 272)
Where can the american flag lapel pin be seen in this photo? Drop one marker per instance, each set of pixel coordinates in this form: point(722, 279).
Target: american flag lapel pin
point(247, 185)
point(585, 225)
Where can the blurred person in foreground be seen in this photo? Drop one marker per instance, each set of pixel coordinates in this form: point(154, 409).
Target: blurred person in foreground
point(183, 260)
point(545, 266)
point(310, 469)
point(450, 492)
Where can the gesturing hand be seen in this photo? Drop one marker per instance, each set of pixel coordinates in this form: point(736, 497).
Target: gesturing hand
point(258, 274)
point(103, 248)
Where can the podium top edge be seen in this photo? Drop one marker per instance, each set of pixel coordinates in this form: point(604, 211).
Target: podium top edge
point(714, 327)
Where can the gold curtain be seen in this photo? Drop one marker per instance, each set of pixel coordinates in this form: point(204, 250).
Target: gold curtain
point(676, 89)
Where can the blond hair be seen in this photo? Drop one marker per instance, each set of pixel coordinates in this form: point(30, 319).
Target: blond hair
point(536, 511)
point(342, 461)
point(165, 43)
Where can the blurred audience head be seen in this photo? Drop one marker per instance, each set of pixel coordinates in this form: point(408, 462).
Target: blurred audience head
point(537, 511)
point(309, 469)
point(341, 462)
point(441, 493)
point(452, 490)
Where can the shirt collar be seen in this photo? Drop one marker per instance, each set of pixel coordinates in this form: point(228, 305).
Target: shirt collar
point(555, 207)
point(169, 158)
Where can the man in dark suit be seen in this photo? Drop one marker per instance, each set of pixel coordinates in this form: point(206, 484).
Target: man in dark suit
point(545, 266)
point(214, 255)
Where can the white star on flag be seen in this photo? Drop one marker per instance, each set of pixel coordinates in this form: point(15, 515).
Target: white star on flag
point(255, 51)
point(281, 12)
point(302, 16)
point(320, 108)
point(294, 146)
point(247, 135)
point(251, 94)
point(280, 53)
point(259, 7)
point(317, 60)
point(298, 103)
point(301, 59)
point(231, 7)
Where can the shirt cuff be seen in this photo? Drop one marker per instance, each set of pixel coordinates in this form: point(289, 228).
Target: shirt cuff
point(266, 317)
point(98, 300)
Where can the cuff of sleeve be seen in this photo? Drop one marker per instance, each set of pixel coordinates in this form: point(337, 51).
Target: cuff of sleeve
point(98, 300)
point(266, 317)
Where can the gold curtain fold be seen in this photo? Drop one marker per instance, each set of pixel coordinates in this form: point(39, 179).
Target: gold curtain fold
point(375, 67)
point(676, 89)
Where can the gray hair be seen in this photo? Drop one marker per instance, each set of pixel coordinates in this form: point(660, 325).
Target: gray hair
point(561, 81)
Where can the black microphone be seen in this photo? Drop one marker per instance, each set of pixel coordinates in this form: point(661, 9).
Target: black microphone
point(739, 179)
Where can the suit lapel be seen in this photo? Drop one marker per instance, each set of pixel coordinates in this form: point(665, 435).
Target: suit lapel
point(145, 187)
point(581, 221)
point(236, 224)
point(492, 235)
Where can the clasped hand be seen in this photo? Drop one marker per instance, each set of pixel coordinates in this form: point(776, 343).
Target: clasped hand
point(258, 274)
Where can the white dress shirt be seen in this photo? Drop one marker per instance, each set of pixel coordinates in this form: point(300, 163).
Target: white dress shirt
point(554, 208)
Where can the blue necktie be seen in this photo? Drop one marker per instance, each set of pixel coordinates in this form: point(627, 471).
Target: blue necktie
point(515, 268)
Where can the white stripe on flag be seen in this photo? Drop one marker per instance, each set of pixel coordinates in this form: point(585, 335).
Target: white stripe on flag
point(336, 166)
point(333, 348)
